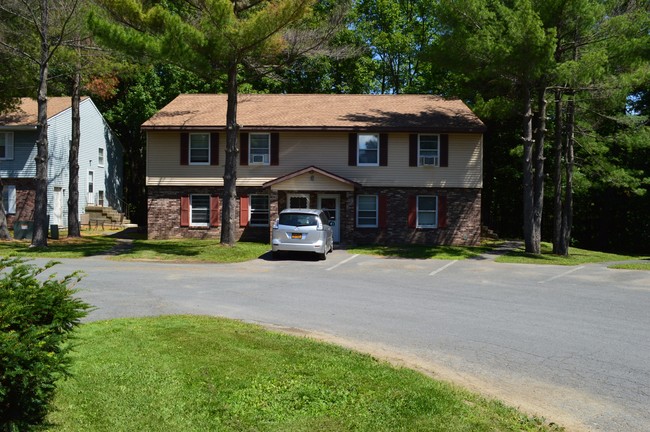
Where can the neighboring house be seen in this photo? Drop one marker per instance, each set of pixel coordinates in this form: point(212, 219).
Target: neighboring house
point(100, 160)
point(388, 169)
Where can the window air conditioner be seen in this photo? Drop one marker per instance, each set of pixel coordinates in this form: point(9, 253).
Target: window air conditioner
point(259, 158)
point(428, 160)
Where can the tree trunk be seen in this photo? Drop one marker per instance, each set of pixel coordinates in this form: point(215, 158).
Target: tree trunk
point(557, 175)
point(73, 160)
point(567, 211)
point(538, 187)
point(4, 230)
point(229, 204)
point(529, 239)
point(39, 238)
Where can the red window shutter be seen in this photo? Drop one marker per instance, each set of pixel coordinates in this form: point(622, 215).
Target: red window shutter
point(243, 148)
point(214, 211)
point(352, 149)
point(185, 148)
point(383, 149)
point(185, 211)
point(275, 148)
point(413, 150)
point(243, 211)
point(413, 212)
point(442, 211)
point(382, 207)
point(444, 150)
point(214, 148)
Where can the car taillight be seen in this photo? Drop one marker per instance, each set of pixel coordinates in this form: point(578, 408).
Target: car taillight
point(276, 224)
point(319, 225)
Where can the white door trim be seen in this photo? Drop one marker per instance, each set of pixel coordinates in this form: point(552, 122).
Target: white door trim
point(336, 228)
point(90, 194)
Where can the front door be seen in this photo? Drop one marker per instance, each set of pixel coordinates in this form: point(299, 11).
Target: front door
point(91, 188)
point(330, 205)
point(57, 204)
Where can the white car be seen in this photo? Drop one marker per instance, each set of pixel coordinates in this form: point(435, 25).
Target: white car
point(302, 230)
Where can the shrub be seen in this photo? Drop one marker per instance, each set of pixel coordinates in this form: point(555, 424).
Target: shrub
point(37, 317)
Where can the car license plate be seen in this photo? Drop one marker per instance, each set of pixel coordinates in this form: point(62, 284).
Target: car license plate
point(296, 236)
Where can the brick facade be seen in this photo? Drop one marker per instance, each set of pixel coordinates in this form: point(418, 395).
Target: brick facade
point(25, 196)
point(463, 216)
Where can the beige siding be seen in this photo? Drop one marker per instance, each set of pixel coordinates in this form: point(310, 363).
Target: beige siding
point(326, 150)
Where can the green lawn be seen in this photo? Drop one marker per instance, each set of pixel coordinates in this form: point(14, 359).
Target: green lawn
point(576, 257)
point(88, 245)
point(183, 373)
point(194, 250)
point(423, 252)
point(632, 266)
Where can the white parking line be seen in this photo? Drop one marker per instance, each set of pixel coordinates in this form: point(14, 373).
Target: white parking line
point(442, 268)
point(343, 262)
point(562, 274)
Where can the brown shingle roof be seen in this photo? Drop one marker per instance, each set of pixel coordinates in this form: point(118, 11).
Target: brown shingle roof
point(319, 112)
point(27, 112)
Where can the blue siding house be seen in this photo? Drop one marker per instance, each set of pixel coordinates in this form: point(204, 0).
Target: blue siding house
point(100, 161)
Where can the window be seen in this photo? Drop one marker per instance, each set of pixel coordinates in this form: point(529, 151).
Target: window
point(9, 199)
point(199, 149)
point(428, 150)
point(295, 201)
point(259, 210)
point(6, 145)
point(259, 149)
point(199, 210)
point(427, 211)
point(367, 211)
point(368, 150)
point(100, 157)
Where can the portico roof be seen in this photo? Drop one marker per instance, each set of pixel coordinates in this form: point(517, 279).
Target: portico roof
point(311, 178)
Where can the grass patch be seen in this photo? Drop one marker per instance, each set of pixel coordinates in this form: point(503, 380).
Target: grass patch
point(576, 257)
point(88, 245)
point(194, 250)
point(423, 251)
point(632, 266)
point(199, 373)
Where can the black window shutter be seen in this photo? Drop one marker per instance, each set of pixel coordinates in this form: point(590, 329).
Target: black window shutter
point(275, 148)
point(243, 148)
point(444, 150)
point(413, 150)
point(185, 148)
point(383, 149)
point(352, 149)
point(214, 148)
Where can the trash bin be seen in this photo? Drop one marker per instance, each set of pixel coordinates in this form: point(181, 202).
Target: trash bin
point(23, 230)
point(54, 232)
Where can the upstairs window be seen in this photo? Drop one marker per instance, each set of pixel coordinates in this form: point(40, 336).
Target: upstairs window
point(100, 157)
point(429, 150)
point(6, 145)
point(368, 150)
point(259, 149)
point(199, 148)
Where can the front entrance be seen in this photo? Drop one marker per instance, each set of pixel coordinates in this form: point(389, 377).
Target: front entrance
point(330, 205)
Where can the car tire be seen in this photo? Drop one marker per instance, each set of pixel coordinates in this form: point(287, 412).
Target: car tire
point(322, 256)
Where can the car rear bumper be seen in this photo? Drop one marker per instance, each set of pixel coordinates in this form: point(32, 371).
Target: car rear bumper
point(318, 247)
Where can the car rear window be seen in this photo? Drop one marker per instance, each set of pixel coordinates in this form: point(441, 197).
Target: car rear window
point(298, 219)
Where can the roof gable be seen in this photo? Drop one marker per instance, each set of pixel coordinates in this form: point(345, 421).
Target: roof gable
point(319, 112)
point(26, 114)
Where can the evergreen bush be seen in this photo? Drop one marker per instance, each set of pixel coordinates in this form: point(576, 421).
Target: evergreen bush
point(38, 314)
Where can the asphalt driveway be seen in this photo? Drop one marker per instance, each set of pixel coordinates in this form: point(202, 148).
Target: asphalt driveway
point(571, 344)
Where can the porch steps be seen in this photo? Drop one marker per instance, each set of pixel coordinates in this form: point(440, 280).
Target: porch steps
point(488, 233)
point(101, 216)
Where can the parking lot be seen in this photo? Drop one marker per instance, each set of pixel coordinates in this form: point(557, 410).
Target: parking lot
point(567, 343)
